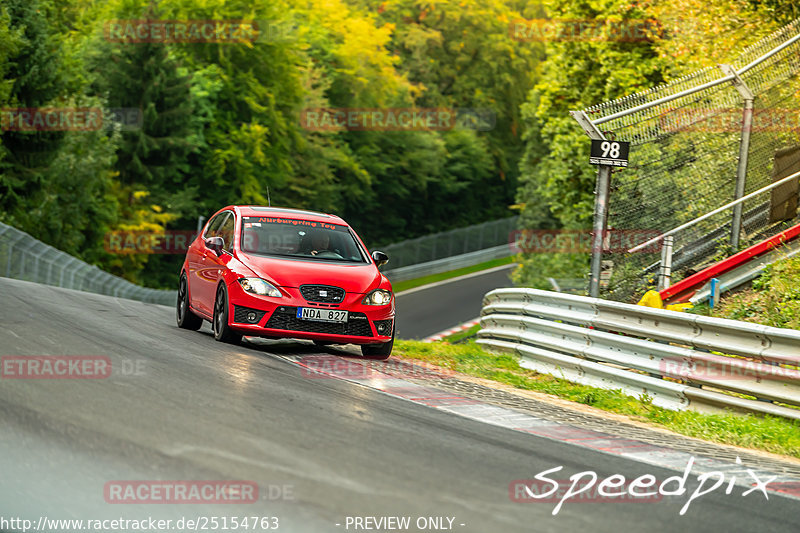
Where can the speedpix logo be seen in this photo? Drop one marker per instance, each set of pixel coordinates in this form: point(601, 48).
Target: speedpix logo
point(586, 487)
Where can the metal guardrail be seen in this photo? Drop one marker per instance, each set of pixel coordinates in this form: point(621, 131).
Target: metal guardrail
point(452, 243)
point(26, 258)
point(679, 360)
point(448, 263)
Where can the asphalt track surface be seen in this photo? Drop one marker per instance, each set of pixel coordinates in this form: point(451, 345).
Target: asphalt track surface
point(426, 312)
point(197, 409)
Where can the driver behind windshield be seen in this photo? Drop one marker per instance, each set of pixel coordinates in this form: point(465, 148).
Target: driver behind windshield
point(316, 242)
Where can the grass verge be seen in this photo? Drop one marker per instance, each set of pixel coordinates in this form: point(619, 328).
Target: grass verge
point(400, 286)
point(773, 300)
point(469, 332)
point(769, 434)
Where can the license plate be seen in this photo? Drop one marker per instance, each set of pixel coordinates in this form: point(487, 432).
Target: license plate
point(322, 315)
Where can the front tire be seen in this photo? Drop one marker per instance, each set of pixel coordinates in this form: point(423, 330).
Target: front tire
point(323, 343)
point(222, 331)
point(185, 318)
point(378, 351)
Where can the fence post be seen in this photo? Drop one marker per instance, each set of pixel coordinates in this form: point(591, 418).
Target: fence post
point(38, 258)
point(11, 246)
point(665, 279)
point(602, 191)
point(744, 149)
point(64, 270)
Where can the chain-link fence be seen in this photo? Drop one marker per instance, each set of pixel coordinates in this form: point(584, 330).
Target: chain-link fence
point(451, 243)
point(23, 257)
point(26, 258)
point(685, 158)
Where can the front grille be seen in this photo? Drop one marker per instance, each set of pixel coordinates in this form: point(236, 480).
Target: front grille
point(286, 318)
point(383, 327)
point(240, 314)
point(322, 293)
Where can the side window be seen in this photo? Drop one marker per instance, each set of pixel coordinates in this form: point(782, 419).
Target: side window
point(213, 227)
point(226, 232)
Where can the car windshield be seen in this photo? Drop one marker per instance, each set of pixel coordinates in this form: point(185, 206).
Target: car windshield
point(300, 238)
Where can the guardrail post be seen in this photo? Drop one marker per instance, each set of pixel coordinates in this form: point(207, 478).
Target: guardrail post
point(665, 278)
point(714, 298)
point(744, 148)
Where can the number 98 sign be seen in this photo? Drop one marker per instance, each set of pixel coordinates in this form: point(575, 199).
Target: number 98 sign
point(613, 153)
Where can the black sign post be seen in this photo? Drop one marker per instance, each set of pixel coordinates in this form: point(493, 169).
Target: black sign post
point(611, 153)
point(607, 154)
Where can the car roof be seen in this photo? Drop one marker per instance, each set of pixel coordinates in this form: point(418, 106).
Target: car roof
point(285, 212)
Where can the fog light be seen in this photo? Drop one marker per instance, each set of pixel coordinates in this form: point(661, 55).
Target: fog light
point(252, 317)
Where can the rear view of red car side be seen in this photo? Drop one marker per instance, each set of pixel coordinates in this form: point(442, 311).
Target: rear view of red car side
point(286, 273)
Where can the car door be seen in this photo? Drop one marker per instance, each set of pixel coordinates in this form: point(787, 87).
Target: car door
point(218, 263)
point(204, 281)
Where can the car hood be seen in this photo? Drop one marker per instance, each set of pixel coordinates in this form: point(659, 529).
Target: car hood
point(358, 278)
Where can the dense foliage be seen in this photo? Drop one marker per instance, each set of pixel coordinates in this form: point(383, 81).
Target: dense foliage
point(556, 185)
point(220, 122)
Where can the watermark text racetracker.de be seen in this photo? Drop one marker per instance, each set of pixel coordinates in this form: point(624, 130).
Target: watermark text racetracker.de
point(574, 30)
point(201, 492)
point(46, 367)
point(586, 487)
point(397, 119)
point(331, 366)
point(33, 119)
point(135, 31)
point(712, 367)
point(728, 120)
point(148, 242)
point(149, 523)
point(579, 241)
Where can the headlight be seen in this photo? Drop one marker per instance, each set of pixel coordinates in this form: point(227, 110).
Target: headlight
point(259, 286)
point(378, 297)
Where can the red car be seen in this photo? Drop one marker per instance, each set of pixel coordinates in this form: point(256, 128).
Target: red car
point(275, 272)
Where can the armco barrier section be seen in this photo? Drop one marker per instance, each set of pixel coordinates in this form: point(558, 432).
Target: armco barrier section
point(456, 242)
point(679, 360)
point(26, 258)
point(447, 264)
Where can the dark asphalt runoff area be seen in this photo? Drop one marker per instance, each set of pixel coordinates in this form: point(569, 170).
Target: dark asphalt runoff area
point(180, 406)
point(431, 309)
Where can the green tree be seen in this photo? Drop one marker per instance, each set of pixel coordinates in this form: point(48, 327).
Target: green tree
point(556, 183)
point(53, 184)
point(462, 55)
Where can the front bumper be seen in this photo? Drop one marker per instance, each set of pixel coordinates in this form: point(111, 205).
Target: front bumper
point(255, 315)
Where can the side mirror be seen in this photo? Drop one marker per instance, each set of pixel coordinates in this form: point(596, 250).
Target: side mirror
point(216, 244)
point(380, 258)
